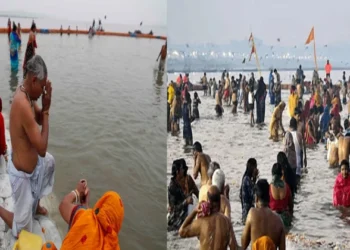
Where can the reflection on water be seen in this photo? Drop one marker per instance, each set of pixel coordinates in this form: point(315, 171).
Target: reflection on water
point(13, 83)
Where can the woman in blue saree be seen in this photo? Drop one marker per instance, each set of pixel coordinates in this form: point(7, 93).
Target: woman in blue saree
point(15, 42)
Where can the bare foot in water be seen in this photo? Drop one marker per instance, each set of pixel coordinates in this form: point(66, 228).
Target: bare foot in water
point(41, 210)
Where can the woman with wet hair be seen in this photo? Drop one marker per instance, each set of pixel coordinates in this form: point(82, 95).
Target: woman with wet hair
point(246, 194)
point(288, 173)
point(180, 191)
point(281, 200)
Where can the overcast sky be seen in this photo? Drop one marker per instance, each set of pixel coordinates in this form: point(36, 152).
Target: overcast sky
point(220, 21)
point(151, 12)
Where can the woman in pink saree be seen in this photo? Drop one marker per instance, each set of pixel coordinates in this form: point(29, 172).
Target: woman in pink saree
point(341, 190)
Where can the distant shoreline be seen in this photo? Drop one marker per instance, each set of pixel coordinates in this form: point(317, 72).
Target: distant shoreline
point(247, 70)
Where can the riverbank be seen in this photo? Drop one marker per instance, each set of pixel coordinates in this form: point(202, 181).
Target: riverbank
point(42, 226)
point(231, 141)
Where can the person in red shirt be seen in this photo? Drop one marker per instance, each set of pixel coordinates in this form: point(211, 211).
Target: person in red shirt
point(328, 69)
point(3, 146)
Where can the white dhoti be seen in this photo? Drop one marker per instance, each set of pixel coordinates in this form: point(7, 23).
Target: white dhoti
point(28, 189)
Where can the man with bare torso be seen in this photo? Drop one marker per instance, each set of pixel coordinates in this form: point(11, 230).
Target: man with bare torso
point(263, 227)
point(30, 167)
point(201, 163)
point(215, 230)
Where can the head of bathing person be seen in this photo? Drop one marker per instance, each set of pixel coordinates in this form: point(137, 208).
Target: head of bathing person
point(14, 27)
point(283, 105)
point(283, 160)
point(33, 27)
point(293, 89)
point(293, 124)
point(36, 79)
point(197, 148)
point(195, 95)
point(277, 171)
point(214, 198)
point(344, 168)
point(179, 168)
point(218, 180)
point(262, 195)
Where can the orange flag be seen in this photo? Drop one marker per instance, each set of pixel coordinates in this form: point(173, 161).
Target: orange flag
point(251, 53)
point(311, 36)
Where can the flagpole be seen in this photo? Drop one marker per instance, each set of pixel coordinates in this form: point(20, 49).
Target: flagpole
point(256, 55)
point(315, 57)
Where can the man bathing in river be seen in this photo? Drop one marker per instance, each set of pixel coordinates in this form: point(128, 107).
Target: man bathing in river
point(162, 56)
point(213, 229)
point(263, 227)
point(30, 167)
point(201, 163)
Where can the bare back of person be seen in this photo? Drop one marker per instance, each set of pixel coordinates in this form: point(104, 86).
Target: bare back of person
point(24, 155)
point(214, 232)
point(204, 161)
point(264, 222)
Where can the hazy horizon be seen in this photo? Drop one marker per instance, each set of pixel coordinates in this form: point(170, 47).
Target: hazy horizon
point(221, 21)
point(151, 12)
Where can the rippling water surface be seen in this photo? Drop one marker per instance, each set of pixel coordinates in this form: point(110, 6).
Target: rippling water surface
point(231, 142)
point(107, 124)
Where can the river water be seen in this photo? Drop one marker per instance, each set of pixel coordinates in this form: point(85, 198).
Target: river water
point(231, 142)
point(107, 122)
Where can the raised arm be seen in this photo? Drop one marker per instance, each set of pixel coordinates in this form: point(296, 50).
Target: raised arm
point(190, 227)
point(39, 139)
point(38, 114)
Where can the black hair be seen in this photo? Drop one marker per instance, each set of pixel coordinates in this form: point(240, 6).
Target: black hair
point(250, 167)
point(277, 170)
point(346, 163)
point(177, 165)
point(197, 147)
point(262, 189)
point(293, 124)
point(293, 87)
point(289, 175)
point(33, 27)
point(14, 27)
point(195, 95)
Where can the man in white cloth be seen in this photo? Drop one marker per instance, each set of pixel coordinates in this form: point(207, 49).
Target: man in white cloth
point(30, 167)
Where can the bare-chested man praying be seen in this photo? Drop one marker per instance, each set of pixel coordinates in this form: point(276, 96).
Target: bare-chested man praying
point(30, 167)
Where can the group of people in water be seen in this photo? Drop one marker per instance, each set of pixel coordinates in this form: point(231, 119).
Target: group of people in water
point(31, 168)
point(267, 208)
point(15, 41)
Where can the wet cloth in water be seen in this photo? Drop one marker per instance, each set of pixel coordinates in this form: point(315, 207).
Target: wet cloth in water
point(263, 243)
point(96, 228)
point(27, 189)
point(176, 200)
point(246, 196)
point(341, 191)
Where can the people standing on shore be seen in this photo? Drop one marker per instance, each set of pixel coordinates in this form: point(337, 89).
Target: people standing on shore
point(277, 88)
point(328, 69)
point(271, 88)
